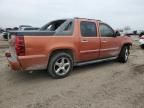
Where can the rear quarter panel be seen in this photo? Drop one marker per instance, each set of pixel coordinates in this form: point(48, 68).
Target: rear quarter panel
point(35, 57)
point(39, 48)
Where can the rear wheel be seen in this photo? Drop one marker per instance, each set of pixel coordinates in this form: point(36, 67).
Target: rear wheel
point(60, 65)
point(124, 54)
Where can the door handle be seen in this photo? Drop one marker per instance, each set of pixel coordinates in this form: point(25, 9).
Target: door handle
point(84, 41)
point(104, 41)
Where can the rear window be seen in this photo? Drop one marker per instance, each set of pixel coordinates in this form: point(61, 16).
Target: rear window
point(53, 26)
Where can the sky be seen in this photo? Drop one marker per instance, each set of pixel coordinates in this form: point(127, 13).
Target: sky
point(117, 13)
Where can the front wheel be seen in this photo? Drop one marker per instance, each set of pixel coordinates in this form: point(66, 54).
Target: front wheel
point(124, 54)
point(60, 65)
point(142, 46)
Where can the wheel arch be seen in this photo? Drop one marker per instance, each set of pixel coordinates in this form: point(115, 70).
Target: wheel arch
point(66, 50)
point(126, 44)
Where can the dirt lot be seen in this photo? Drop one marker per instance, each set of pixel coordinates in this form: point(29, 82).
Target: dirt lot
point(103, 85)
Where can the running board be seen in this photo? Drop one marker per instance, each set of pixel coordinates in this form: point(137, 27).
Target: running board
point(94, 61)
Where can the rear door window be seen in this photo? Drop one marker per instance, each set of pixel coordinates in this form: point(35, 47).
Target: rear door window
point(88, 29)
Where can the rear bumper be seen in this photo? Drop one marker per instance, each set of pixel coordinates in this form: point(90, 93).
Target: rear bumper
point(13, 62)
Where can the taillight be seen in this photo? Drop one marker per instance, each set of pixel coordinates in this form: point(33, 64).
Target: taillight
point(20, 45)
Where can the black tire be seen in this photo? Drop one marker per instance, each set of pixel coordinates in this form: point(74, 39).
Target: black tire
point(5, 36)
point(57, 65)
point(123, 56)
point(142, 46)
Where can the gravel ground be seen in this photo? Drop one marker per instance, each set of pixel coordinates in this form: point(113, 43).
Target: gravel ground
point(103, 85)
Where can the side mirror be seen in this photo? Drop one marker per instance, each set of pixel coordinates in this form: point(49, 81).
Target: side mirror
point(117, 33)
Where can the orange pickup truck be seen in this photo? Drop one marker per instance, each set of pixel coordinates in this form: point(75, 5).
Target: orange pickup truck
point(62, 44)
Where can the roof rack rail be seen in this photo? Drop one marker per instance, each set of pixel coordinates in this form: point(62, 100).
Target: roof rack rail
point(86, 18)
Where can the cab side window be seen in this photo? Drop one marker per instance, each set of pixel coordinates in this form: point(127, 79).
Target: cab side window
point(106, 31)
point(88, 29)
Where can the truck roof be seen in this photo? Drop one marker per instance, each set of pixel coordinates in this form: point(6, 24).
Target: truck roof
point(86, 18)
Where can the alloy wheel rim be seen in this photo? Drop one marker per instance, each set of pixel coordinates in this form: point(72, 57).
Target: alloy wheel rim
point(126, 55)
point(62, 66)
